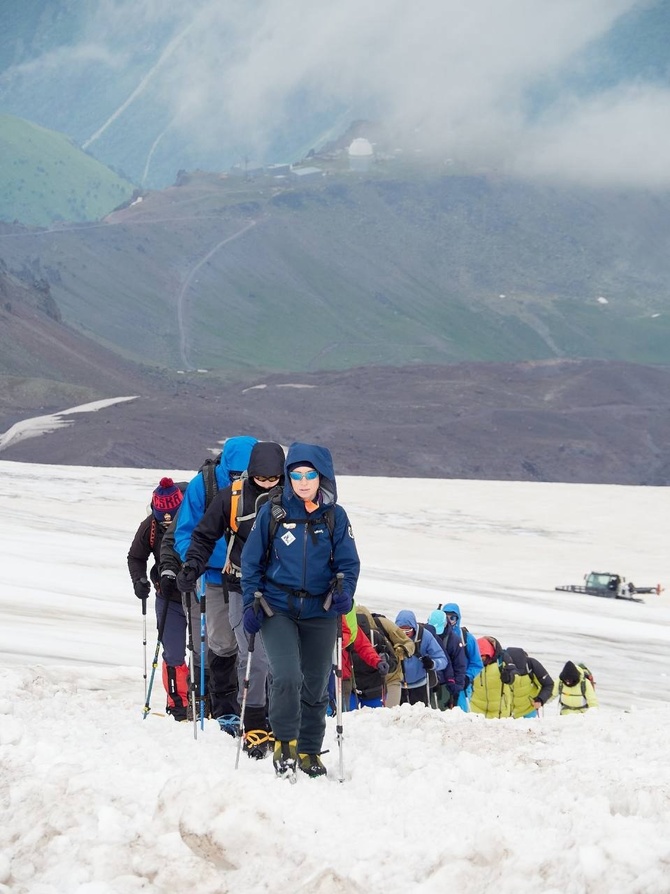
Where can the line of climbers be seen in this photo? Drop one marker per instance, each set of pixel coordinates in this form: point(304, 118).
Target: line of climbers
point(442, 665)
point(299, 542)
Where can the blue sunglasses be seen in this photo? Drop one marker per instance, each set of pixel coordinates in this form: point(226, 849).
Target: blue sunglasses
point(310, 476)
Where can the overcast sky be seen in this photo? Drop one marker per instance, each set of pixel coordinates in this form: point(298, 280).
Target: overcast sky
point(464, 80)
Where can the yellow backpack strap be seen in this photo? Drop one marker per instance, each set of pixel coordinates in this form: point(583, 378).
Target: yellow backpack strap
point(233, 522)
point(235, 495)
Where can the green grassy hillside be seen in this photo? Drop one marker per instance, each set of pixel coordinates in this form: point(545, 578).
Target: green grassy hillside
point(45, 178)
point(394, 267)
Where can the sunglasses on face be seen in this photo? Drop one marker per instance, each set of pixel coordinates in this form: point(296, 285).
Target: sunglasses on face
point(266, 477)
point(452, 618)
point(312, 475)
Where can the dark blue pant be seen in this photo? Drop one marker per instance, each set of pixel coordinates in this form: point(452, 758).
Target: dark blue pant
point(300, 655)
point(174, 634)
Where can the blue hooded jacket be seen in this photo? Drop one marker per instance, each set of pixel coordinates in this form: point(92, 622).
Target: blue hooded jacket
point(475, 665)
point(234, 458)
point(444, 633)
point(415, 673)
point(303, 560)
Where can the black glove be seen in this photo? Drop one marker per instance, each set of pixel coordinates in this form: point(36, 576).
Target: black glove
point(466, 682)
point(187, 578)
point(383, 667)
point(142, 588)
point(168, 585)
point(428, 663)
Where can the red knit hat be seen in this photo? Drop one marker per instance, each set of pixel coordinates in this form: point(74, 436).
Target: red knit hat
point(486, 647)
point(165, 500)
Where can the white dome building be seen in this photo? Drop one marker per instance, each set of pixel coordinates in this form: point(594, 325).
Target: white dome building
point(361, 154)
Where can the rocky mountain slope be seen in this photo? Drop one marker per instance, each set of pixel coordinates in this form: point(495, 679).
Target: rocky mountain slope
point(573, 421)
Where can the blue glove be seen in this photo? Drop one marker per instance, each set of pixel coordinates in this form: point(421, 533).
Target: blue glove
point(342, 601)
point(252, 620)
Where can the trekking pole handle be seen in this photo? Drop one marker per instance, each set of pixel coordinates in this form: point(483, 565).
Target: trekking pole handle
point(337, 585)
point(261, 602)
point(144, 606)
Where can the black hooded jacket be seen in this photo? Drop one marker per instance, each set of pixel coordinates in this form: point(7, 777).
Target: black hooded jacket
point(526, 664)
point(266, 460)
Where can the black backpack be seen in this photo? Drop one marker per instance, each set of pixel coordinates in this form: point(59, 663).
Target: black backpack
point(383, 644)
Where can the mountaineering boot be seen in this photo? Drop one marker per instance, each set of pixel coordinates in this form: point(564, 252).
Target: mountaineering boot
point(285, 759)
point(175, 680)
point(257, 743)
point(189, 709)
point(257, 739)
point(229, 723)
point(312, 765)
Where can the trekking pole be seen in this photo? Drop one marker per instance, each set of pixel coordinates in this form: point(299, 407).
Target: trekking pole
point(144, 642)
point(192, 686)
point(259, 602)
point(154, 663)
point(245, 692)
point(339, 577)
point(466, 697)
point(202, 653)
point(338, 699)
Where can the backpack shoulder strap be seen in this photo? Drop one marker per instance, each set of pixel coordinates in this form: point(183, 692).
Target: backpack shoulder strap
point(418, 638)
point(382, 630)
point(236, 504)
point(277, 515)
point(152, 533)
point(329, 518)
point(385, 642)
point(236, 501)
point(208, 470)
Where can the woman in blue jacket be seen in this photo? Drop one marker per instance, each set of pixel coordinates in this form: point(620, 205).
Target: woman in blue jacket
point(428, 656)
point(293, 556)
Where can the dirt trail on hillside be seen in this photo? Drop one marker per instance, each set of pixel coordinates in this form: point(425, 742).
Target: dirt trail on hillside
point(181, 323)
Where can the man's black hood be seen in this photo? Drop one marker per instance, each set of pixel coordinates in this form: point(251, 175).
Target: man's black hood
point(266, 460)
point(570, 674)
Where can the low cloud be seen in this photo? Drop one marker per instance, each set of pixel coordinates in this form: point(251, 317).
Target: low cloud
point(452, 79)
point(620, 135)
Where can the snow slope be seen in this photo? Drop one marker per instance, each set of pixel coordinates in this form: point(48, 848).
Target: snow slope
point(95, 800)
